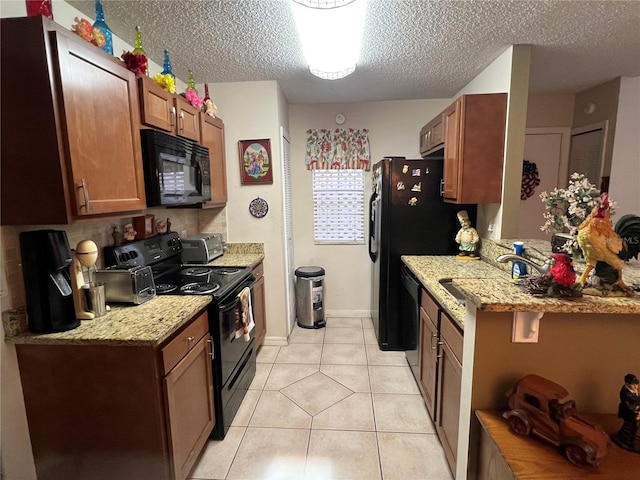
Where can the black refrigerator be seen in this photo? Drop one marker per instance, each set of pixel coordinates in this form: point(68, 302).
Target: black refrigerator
point(407, 217)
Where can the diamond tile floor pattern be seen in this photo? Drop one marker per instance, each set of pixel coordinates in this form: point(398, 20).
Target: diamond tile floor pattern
point(329, 406)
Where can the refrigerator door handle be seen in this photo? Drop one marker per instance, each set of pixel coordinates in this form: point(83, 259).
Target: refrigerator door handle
point(372, 225)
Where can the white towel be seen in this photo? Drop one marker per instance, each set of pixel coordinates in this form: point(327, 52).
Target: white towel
point(244, 315)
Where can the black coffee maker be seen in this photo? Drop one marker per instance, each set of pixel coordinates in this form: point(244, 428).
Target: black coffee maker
point(46, 258)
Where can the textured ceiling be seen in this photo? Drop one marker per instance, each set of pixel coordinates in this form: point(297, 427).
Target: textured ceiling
point(412, 49)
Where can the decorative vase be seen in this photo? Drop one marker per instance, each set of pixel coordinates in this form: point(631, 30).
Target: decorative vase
point(206, 93)
point(190, 82)
point(138, 48)
point(166, 65)
point(101, 25)
point(39, 7)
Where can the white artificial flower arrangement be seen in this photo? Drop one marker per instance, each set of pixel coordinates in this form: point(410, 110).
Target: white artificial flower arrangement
point(567, 208)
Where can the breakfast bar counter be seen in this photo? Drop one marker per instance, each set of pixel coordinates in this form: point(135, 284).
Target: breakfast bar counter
point(585, 344)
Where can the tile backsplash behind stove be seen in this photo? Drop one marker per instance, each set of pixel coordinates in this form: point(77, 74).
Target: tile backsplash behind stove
point(11, 281)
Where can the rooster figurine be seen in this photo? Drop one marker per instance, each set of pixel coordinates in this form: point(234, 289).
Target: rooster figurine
point(600, 243)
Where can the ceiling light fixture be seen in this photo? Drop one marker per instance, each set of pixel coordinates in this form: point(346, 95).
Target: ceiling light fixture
point(331, 35)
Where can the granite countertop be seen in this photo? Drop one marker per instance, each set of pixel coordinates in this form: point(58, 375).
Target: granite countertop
point(429, 270)
point(489, 286)
point(148, 324)
point(240, 255)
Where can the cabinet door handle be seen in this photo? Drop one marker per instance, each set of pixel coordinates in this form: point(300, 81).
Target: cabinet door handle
point(181, 126)
point(85, 191)
point(434, 336)
point(210, 342)
point(442, 187)
point(191, 339)
point(173, 116)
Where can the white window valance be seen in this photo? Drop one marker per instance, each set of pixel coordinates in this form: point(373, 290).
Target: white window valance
point(337, 149)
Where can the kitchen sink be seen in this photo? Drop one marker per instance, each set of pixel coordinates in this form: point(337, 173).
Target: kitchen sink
point(447, 283)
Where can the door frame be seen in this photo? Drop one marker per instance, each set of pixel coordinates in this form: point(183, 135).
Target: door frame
point(288, 246)
point(565, 146)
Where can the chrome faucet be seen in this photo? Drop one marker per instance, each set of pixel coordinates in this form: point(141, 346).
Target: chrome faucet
point(542, 269)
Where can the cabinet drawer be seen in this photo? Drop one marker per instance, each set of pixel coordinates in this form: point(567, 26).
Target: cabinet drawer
point(450, 334)
point(430, 307)
point(184, 341)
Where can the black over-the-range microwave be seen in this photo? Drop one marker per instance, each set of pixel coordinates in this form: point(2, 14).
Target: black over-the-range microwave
point(176, 170)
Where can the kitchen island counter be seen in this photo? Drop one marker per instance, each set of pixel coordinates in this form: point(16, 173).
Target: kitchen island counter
point(430, 270)
point(491, 289)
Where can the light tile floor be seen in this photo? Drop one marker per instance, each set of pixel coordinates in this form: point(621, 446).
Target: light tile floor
point(331, 405)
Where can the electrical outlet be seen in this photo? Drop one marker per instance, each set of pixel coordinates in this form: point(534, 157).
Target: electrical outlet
point(183, 233)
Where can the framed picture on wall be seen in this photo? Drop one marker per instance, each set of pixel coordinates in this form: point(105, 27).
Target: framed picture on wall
point(255, 162)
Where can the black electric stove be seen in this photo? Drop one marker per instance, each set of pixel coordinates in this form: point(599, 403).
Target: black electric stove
point(234, 356)
point(164, 254)
point(185, 279)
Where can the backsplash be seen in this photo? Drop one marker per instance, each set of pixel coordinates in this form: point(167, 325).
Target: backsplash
point(190, 221)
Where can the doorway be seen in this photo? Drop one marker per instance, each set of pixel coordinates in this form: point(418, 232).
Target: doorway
point(548, 148)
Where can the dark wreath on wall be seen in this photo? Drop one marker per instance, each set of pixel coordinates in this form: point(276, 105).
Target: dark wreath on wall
point(255, 162)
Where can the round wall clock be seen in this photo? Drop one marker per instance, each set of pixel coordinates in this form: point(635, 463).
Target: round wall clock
point(340, 119)
point(258, 207)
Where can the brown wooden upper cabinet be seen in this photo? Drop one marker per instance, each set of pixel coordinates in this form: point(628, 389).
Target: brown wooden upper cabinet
point(471, 133)
point(167, 111)
point(70, 118)
point(212, 137)
point(432, 135)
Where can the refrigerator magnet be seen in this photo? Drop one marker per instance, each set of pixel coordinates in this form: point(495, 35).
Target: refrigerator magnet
point(405, 168)
point(400, 185)
point(417, 187)
point(413, 201)
point(415, 172)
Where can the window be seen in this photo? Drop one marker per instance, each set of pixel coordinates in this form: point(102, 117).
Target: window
point(338, 211)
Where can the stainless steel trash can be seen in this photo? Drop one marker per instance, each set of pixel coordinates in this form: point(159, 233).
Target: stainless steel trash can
point(310, 297)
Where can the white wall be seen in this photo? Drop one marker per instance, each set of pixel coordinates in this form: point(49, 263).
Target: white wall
point(394, 129)
point(507, 73)
point(253, 110)
point(625, 168)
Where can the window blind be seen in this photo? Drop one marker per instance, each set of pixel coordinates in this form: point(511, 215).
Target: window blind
point(338, 206)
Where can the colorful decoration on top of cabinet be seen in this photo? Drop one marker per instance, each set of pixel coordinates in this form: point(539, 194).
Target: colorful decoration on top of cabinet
point(136, 60)
point(102, 26)
point(191, 94)
point(209, 107)
point(39, 7)
point(86, 31)
point(337, 149)
point(255, 162)
point(166, 81)
point(530, 179)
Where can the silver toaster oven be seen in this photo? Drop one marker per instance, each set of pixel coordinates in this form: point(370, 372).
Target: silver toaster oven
point(201, 248)
point(127, 285)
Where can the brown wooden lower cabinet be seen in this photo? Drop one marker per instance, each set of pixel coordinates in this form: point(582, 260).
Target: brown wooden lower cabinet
point(428, 352)
point(448, 390)
point(259, 311)
point(104, 412)
point(440, 360)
